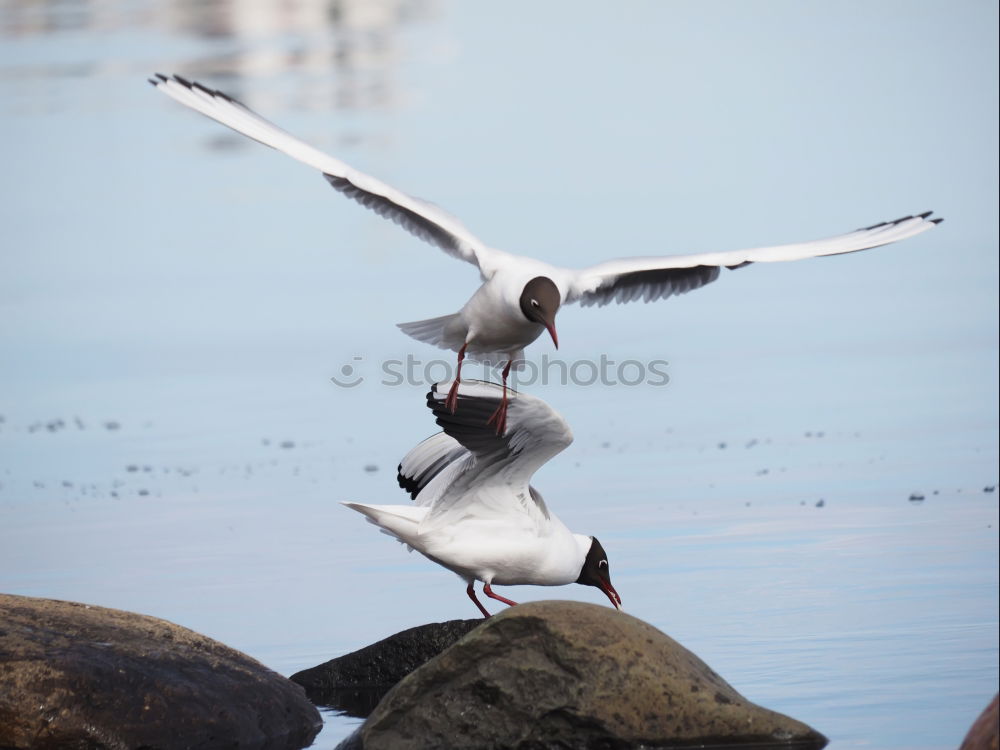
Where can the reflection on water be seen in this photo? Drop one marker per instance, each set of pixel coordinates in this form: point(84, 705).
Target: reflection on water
point(345, 54)
point(170, 317)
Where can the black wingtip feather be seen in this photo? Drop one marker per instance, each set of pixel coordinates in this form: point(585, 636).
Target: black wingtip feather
point(873, 226)
point(936, 221)
point(408, 484)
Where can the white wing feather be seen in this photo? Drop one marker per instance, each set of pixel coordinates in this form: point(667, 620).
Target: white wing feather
point(423, 219)
point(649, 278)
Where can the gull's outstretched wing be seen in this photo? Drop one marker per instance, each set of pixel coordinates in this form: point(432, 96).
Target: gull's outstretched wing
point(419, 217)
point(652, 278)
point(491, 476)
point(535, 431)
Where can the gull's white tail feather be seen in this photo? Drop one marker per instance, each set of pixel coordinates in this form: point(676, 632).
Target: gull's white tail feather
point(444, 332)
point(398, 521)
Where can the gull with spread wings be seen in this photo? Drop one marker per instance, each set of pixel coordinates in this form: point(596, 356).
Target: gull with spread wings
point(520, 296)
point(475, 511)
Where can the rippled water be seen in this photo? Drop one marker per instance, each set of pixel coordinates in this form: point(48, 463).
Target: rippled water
point(174, 302)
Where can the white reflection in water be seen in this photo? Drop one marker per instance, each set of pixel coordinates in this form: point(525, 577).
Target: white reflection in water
point(345, 54)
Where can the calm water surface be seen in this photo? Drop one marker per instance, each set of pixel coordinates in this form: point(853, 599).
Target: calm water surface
point(174, 301)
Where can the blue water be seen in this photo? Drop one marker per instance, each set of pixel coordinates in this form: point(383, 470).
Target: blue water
point(180, 299)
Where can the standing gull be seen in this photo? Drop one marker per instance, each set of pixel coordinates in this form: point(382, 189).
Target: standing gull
point(519, 296)
point(475, 511)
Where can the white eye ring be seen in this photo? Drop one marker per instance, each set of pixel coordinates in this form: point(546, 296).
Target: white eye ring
point(534, 303)
point(602, 564)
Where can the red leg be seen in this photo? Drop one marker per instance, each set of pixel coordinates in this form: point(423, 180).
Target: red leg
point(489, 592)
point(499, 417)
point(451, 403)
point(472, 595)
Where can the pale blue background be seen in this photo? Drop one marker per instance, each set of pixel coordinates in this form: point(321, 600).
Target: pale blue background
point(200, 290)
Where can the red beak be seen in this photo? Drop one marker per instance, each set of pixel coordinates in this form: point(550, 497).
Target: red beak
point(610, 592)
point(552, 333)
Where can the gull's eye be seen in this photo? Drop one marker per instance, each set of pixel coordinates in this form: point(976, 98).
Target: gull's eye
point(602, 564)
point(534, 303)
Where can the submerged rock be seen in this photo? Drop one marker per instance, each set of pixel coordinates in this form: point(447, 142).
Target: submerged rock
point(568, 674)
point(75, 675)
point(354, 683)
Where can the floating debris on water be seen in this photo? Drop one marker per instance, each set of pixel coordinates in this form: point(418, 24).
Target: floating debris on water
point(751, 443)
point(722, 446)
point(112, 425)
point(287, 444)
point(131, 468)
point(916, 497)
point(990, 488)
point(820, 503)
point(371, 468)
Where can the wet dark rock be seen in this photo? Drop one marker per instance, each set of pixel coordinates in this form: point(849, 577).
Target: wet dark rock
point(79, 676)
point(354, 683)
point(570, 675)
point(983, 734)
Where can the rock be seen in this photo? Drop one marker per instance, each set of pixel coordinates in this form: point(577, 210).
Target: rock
point(354, 683)
point(568, 674)
point(983, 732)
point(74, 675)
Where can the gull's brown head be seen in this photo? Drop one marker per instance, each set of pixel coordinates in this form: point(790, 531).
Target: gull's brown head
point(596, 572)
point(540, 302)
